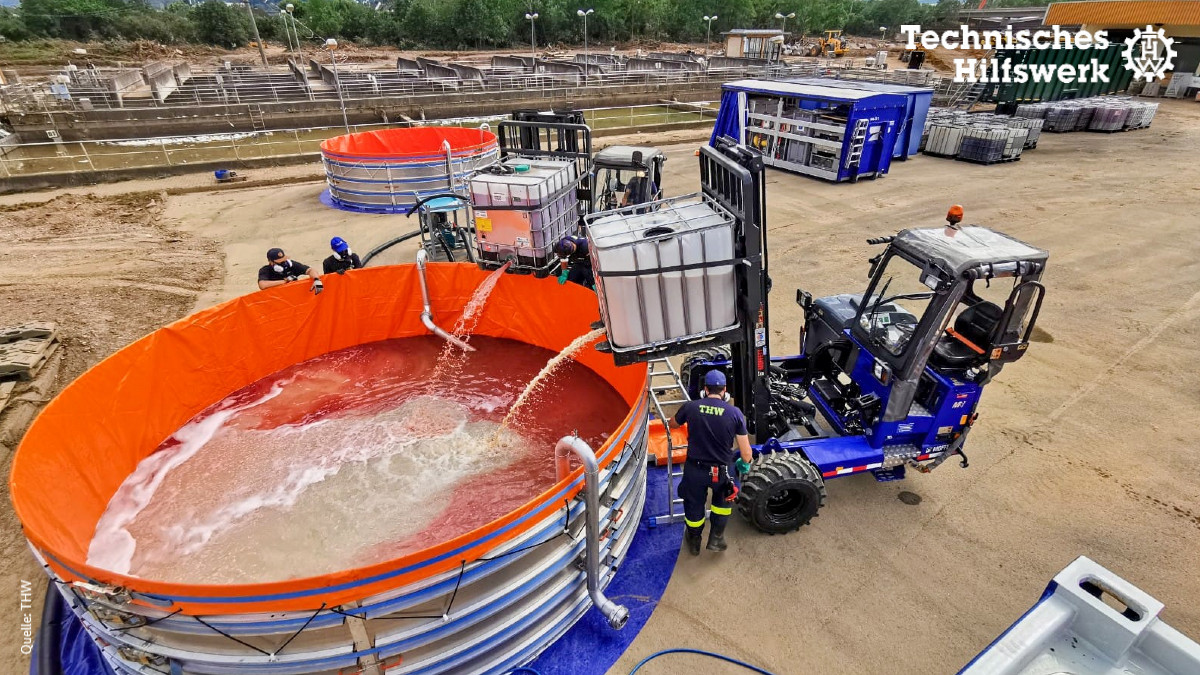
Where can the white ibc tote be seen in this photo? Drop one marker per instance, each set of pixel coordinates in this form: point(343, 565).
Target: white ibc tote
point(644, 295)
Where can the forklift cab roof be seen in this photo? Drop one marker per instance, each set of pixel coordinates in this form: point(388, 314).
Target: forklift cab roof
point(622, 157)
point(972, 251)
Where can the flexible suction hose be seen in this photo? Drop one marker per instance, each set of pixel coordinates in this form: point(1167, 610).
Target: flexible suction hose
point(616, 614)
point(427, 312)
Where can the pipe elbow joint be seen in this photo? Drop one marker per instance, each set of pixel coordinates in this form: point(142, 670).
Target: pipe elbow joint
point(617, 616)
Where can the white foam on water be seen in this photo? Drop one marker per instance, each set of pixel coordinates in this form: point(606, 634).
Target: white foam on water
point(188, 140)
point(297, 500)
point(112, 547)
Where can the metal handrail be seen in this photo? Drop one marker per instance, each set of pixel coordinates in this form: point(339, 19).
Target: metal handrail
point(108, 154)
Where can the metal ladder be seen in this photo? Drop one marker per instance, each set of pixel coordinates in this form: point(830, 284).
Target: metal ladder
point(256, 117)
point(970, 96)
point(857, 140)
point(664, 379)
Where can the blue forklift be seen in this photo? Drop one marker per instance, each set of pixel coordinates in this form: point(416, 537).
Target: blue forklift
point(887, 379)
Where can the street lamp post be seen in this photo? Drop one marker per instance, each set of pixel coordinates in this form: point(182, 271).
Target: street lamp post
point(784, 17)
point(532, 36)
point(584, 14)
point(288, 19)
point(708, 32)
point(254, 29)
point(331, 45)
point(882, 33)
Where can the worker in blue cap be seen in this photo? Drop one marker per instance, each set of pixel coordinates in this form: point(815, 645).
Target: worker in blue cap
point(342, 259)
point(575, 265)
point(714, 425)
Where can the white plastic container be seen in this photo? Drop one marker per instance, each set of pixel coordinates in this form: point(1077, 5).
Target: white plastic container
point(653, 306)
point(1073, 630)
point(524, 211)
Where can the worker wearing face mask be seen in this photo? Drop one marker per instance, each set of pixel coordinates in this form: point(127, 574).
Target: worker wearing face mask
point(342, 259)
point(280, 270)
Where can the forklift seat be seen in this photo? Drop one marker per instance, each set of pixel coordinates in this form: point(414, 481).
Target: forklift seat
point(976, 325)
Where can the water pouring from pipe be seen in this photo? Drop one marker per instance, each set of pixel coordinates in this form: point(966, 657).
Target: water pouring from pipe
point(544, 374)
point(427, 312)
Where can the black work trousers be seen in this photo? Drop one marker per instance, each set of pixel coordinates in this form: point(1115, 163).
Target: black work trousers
point(698, 479)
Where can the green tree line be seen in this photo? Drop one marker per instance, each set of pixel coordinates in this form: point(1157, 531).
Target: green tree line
point(463, 24)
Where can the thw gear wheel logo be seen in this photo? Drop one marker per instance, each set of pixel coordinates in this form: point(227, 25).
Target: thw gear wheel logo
point(1149, 54)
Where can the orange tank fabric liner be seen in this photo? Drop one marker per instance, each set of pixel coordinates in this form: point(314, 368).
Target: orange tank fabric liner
point(409, 142)
point(657, 443)
point(89, 439)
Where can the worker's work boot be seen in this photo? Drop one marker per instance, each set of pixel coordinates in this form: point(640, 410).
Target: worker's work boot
point(716, 536)
point(692, 537)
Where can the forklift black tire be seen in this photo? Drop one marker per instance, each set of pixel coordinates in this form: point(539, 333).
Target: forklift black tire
point(721, 353)
point(783, 492)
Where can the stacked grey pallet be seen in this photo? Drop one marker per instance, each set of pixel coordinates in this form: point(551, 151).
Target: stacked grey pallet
point(1032, 126)
point(1097, 113)
point(1061, 117)
point(983, 138)
point(1109, 118)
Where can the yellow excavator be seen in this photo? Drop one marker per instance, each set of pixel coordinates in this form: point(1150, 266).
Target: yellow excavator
point(830, 45)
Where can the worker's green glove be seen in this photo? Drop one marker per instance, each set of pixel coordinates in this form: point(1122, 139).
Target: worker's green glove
point(743, 467)
point(562, 277)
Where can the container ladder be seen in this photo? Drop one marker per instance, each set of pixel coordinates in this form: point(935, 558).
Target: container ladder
point(858, 140)
point(664, 379)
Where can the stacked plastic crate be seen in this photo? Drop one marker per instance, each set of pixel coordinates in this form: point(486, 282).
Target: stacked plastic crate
point(988, 138)
point(1081, 114)
point(1061, 117)
point(983, 138)
point(984, 144)
point(1109, 118)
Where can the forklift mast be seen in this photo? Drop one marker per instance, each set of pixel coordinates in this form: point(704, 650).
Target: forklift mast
point(732, 175)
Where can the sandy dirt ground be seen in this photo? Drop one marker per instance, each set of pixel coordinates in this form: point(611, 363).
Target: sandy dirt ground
point(108, 271)
point(1085, 447)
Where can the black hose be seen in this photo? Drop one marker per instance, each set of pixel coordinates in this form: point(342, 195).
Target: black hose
point(421, 202)
point(388, 244)
point(442, 240)
point(462, 232)
point(50, 633)
point(700, 652)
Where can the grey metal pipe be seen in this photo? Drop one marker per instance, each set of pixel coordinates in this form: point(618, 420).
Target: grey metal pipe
point(616, 614)
point(427, 312)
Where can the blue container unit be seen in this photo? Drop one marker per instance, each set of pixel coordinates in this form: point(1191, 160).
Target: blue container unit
point(825, 132)
point(908, 142)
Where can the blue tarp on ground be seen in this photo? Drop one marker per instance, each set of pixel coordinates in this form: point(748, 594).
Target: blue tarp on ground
point(74, 653)
point(591, 647)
